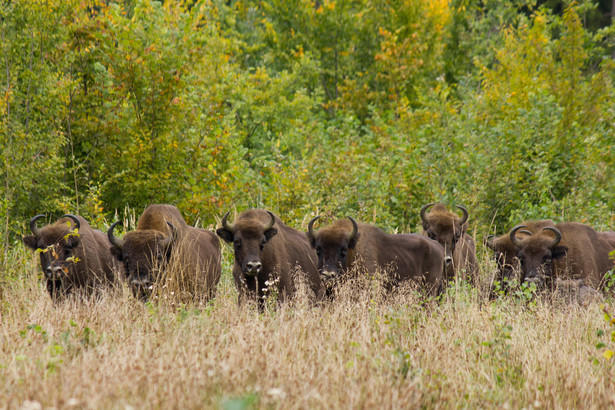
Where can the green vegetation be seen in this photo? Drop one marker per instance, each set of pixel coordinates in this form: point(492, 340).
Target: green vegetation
point(338, 107)
point(344, 107)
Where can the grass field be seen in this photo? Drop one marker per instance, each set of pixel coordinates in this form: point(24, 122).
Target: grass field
point(365, 350)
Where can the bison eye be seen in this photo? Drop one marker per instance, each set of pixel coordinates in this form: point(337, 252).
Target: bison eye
point(431, 235)
point(318, 251)
point(237, 243)
point(343, 252)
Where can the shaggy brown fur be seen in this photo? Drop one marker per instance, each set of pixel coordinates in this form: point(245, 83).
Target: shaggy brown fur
point(266, 249)
point(450, 231)
point(581, 253)
point(154, 248)
point(505, 252)
point(91, 265)
point(402, 256)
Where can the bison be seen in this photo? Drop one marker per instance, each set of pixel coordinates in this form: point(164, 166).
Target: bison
point(346, 244)
point(74, 257)
point(450, 231)
point(505, 252)
point(162, 243)
point(268, 250)
point(567, 250)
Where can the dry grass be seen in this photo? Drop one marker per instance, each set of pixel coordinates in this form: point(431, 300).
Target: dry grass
point(364, 350)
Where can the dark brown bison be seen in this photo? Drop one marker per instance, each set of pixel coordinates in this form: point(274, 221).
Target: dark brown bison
point(265, 250)
point(567, 250)
point(162, 243)
point(449, 229)
point(505, 252)
point(346, 244)
point(74, 257)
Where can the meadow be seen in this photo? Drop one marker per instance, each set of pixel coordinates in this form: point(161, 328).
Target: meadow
point(337, 108)
point(367, 348)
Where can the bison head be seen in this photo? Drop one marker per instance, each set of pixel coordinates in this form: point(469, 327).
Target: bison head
point(249, 238)
point(144, 253)
point(332, 245)
point(445, 227)
point(536, 253)
point(57, 245)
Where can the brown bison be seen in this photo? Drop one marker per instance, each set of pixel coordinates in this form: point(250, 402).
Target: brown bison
point(268, 250)
point(450, 231)
point(74, 257)
point(505, 252)
point(567, 250)
point(346, 244)
point(163, 242)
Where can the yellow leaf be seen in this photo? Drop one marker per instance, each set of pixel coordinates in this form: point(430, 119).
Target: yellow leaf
point(608, 354)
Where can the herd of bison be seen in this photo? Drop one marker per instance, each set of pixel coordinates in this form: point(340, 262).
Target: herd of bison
point(75, 258)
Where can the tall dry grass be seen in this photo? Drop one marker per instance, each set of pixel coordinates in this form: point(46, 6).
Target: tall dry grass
point(365, 349)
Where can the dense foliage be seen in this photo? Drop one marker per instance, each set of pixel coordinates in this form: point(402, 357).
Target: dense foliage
point(355, 107)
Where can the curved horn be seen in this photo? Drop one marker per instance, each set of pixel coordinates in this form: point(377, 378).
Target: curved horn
point(75, 220)
point(489, 241)
point(513, 237)
point(171, 238)
point(115, 241)
point(424, 210)
point(225, 224)
point(355, 228)
point(33, 226)
point(270, 225)
point(558, 235)
point(311, 226)
point(464, 218)
point(525, 231)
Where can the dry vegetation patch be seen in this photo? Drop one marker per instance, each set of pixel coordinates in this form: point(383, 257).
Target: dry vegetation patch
point(366, 348)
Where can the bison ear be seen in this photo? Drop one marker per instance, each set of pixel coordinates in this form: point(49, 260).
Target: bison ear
point(30, 242)
point(117, 252)
point(270, 233)
point(225, 234)
point(73, 241)
point(353, 242)
point(559, 251)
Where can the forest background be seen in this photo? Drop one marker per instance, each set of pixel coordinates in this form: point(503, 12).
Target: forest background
point(350, 107)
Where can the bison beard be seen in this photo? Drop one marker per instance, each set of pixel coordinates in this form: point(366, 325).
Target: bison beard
point(73, 258)
point(267, 250)
point(346, 244)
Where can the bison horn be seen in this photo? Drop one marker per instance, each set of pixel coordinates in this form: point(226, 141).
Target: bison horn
point(525, 231)
point(424, 210)
point(355, 229)
point(465, 214)
point(558, 235)
point(115, 241)
point(225, 224)
point(171, 238)
point(489, 241)
point(33, 226)
point(513, 235)
point(270, 225)
point(75, 220)
point(311, 226)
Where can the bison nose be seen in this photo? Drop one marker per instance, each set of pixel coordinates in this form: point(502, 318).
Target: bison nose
point(327, 274)
point(448, 260)
point(253, 267)
point(53, 271)
point(140, 282)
